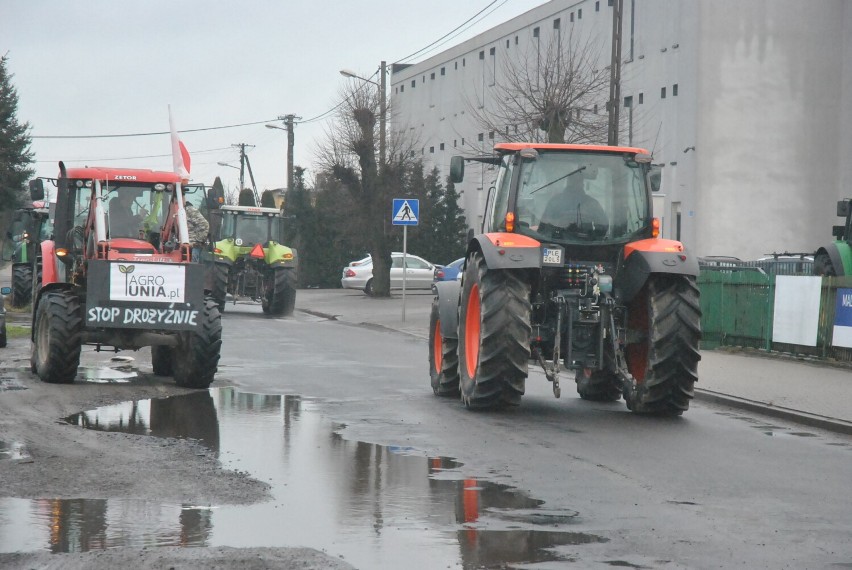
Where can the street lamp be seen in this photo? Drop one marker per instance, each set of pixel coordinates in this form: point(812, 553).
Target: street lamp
point(382, 105)
point(228, 165)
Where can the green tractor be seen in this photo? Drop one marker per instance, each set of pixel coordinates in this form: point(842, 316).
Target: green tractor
point(248, 259)
point(29, 226)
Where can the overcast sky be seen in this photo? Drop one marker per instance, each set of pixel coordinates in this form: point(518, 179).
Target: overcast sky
point(94, 67)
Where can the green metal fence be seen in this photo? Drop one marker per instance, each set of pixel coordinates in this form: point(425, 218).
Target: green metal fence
point(737, 304)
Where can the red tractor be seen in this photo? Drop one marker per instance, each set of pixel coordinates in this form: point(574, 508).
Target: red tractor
point(569, 270)
point(118, 274)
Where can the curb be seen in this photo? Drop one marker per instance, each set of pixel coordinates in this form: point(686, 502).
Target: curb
point(813, 420)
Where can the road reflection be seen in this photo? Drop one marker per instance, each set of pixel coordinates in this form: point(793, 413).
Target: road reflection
point(376, 506)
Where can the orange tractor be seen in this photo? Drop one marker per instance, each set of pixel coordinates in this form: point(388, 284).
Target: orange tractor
point(569, 271)
point(118, 275)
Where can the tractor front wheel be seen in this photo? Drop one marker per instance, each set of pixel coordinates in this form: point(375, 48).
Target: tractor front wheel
point(197, 355)
point(665, 318)
point(22, 284)
point(443, 358)
point(494, 335)
point(58, 340)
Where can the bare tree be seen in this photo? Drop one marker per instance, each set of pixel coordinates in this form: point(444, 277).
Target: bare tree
point(553, 91)
point(349, 152)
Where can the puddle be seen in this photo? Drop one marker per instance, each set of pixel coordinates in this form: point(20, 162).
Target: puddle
point(14, 450)
point(12, 379)
point(372, 505)
point(104, 375)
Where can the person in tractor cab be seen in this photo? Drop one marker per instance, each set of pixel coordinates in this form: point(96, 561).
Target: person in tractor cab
point(573, 211)
point(122, 221)
point(198, 230)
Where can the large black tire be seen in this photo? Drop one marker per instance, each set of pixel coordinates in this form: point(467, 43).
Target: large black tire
point(22, 284)
point(162, 359)
point(280, 296)
point(600, 386)
point(823, 266)
point(494, 335)
point(443, 358)
point(666, 317)
point(368, 288)
point(197, 356)
point(221, 273)
point(58, 338)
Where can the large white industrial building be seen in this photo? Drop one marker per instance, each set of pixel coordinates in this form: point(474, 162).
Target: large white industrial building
point(746, 103)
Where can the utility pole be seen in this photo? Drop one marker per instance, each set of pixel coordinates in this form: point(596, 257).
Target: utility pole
point(615, 73)
point(289, 122)
point(383, 116)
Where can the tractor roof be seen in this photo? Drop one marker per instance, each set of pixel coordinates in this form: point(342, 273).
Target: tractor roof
point(516, 146)
point(122, 174)
point(251, 209)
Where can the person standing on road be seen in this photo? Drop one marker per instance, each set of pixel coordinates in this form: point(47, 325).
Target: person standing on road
point(198, 229)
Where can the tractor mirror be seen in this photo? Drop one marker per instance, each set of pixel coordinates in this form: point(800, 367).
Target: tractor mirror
point(456, 169)
point(843, 208)
point(37, 189)
point(655, 177)
point(838, 231)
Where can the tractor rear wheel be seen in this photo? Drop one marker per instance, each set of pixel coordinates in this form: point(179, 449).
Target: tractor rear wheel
point(58, 339)
point(22, 284)
point(494, 335)
point(665, 317)
point(600, 386)
point(221, 273)
point(162, 359)
point(443, 358)
point(280, 295)
point(197, 355)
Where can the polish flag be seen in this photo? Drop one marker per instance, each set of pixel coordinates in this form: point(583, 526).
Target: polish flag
point(180, 156)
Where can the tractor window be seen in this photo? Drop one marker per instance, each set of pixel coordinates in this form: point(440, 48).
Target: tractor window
point(252, 229)
point(571, 196)
point(133, 211)
point(501, 196)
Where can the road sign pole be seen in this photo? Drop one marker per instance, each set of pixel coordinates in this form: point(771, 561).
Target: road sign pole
point(404, 266)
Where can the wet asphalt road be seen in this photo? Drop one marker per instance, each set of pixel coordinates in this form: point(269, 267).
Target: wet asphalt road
point(714, 488)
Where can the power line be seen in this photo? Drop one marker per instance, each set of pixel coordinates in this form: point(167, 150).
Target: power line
point(146, 134)
point(131, 157)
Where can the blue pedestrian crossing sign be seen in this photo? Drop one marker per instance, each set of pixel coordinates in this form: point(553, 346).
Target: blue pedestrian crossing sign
point(405, 211)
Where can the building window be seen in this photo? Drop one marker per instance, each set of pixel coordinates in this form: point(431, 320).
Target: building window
point(596, 109)
point(443, 71)
point(507, 44)
point(462, 62)
point(480, 137)
point(456, 65)
point(597, 6)
point(431, 150)
point(572, 16)
point(674, 90)
point(401, 88)
point(462, 141)
point(609, 3)
point(535, 32)
point(491, 135)
point(663, 93)
point(482, 54)
point(516, 40)
point(641, 98)
point(432, 75)
point(413, 83)
point(580, 14)
point(423, 80)
point(492, 51)
point(628, 101)
point(455, 143)
point(441, 147)
point(556, 22)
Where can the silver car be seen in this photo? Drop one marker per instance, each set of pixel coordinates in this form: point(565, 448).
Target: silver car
point(418, 274)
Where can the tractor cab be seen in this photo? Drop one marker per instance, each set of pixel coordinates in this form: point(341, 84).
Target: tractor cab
point(247, 226)
point(570, 194)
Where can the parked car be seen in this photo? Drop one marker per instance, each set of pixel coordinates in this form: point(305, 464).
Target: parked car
point(362, 261)
point(449, 272)
point(418, 275)
point(3, 292)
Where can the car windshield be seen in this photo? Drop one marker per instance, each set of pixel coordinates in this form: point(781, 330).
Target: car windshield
point(581, 197)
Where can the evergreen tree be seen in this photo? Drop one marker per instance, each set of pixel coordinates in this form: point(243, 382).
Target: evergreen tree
point(15, 154)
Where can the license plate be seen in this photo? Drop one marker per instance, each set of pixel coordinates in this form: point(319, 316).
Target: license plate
point(551, 256)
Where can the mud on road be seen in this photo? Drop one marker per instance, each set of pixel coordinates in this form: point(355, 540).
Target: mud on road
point(53, 459)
